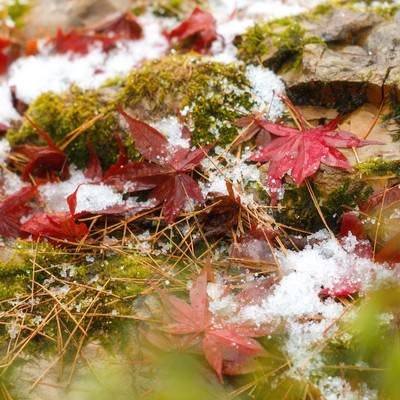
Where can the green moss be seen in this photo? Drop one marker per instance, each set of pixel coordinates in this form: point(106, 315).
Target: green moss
point(336, 191)
point(275, 43)
point(212, 95)
point(386, 9)
point(394, 116)
point(59, 115)
point(379, 167)
point(17, 10)
point(112, 280)
point(175, 8)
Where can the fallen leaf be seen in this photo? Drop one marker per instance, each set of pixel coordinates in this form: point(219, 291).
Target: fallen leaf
point(199, 28)
point(299, 153)
point(55, 226)
point(12, 208)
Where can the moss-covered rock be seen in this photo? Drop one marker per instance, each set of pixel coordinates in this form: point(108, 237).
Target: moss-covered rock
point(276, 43)
point(210, 95)
point(59, 115)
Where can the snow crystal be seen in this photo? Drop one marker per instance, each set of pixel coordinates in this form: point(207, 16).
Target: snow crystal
point(266, 88)
point(57, 72)
point(7, 110)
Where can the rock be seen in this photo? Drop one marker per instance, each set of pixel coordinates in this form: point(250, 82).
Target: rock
point(358, 63)
point(344, 25)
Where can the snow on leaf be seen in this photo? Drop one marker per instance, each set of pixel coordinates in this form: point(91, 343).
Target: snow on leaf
point(220, 341)
point(299, 153)
point(199, 27)
point(12, 208)
point(55, 226)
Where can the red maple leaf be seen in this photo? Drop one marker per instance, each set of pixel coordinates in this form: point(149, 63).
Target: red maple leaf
point(107, 34)
point(12, 208)
point(226, 347)
point(4, 60)
point(77, 41)
point(299, 153)
point(199, 28)
point(60, 226)
point(252, 127)
point(122, 26)
point(384, 208)
point(166, 171)
point(43, 161)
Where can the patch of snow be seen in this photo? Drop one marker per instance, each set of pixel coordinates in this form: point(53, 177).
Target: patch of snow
point(266, 89)
point(56, 72)
point(7, 111)
point(97, 197)
point(4, 149)
point(54, 195)
point(296, 297)
point(260, 9)
point(171, 128)
point(336, 388)
point(234, 169)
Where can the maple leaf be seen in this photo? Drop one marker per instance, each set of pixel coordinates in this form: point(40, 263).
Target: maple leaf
point(252, 127)
point(122, 26)
point(223, 344)
point(199, 28)
point(166, 171)
point(43, 160)
point(299, 153)
point(79, 41)
point(93, 171)
point(55, 226)
point(12, 208)
point(384, 208)
point(4, 60)
point(107, 34)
